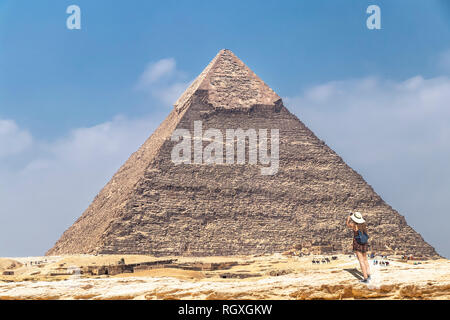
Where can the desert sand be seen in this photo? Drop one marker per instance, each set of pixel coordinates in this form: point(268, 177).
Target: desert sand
point(251, 277)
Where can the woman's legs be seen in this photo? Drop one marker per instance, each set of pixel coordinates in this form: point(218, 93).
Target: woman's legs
point(360, 256)
point(366, 263)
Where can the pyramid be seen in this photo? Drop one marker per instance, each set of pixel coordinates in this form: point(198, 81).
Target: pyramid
point(155, 206)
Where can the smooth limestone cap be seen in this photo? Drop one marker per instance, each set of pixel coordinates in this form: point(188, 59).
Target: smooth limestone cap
point(230, 84)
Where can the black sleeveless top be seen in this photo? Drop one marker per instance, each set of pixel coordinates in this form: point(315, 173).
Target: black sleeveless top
point(357, 246)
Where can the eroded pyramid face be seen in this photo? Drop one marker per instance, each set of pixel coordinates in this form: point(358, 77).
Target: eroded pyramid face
point(231, 171)
point(229, 85)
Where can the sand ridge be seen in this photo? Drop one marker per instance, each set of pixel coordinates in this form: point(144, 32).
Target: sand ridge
point(270, 277)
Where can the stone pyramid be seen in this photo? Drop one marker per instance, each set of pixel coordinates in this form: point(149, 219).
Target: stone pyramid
point(157, 207)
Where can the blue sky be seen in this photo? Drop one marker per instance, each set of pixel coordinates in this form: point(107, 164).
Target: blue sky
point(60, 86)
point(53, 79)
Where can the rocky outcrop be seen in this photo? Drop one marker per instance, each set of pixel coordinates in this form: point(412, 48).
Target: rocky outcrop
point(244, 277)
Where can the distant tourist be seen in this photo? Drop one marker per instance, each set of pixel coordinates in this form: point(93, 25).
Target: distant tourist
point(356, 222)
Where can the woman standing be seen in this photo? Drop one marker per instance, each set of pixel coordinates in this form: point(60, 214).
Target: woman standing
point(356, 222)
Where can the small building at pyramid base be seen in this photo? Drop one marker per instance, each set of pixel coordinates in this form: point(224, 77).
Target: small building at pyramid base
point(157, 206)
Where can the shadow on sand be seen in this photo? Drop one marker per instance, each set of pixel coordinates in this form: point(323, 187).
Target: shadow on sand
point(354, 272)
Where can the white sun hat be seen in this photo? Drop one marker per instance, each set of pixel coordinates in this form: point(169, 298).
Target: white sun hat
point(357, 217)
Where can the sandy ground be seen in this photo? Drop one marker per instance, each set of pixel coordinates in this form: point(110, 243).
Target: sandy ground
point(269, 277)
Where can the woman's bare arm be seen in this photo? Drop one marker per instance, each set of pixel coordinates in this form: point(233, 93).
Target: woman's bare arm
point(348, 224)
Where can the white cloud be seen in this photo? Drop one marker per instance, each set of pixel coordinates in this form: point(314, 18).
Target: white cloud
point(58, 180)
point(12, 139)
point(162, 80)
point(106, 140)
point(397, 135)
point(156, 71)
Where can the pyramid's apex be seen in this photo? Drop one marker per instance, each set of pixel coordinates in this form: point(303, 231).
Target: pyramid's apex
point(224, 52)
point(230, 84)
point(227, 52)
